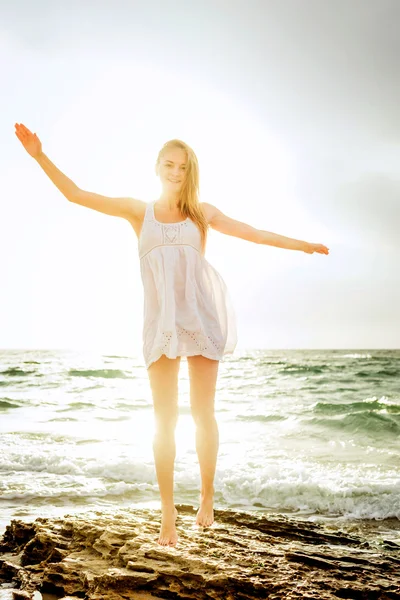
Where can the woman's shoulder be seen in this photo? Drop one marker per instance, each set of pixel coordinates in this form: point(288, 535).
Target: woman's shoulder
point(208, 210)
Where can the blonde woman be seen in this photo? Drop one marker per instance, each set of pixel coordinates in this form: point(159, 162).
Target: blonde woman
point(187, 308)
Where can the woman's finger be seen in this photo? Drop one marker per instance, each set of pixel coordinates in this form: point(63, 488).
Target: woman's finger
point(23, 130)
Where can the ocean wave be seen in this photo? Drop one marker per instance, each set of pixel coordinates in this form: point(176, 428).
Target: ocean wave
point(303, 493)
point(366, 422)
point(76, 406)
point(356, 355)
point(58, 463)
point(107, 373)
point(362, 501)
point(8, 403)
point(259, 418)
point(16, 372)
point(118, 356)
point(132, 406)
point(383, 373)
point(264, 363)
point(388, 373)
point(63, 419)
point(294, 369)
point(360, 406)
point(119, 489)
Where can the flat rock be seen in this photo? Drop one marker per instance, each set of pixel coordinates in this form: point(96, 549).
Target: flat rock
point(115, 556)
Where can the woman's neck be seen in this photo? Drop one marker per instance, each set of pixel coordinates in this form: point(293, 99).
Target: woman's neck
point(168, 201)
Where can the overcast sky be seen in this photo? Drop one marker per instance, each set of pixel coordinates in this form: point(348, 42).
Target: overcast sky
point(292, 107)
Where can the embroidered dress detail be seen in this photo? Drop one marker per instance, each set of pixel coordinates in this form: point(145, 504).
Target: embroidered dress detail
point(187, 308)
point(171, 234)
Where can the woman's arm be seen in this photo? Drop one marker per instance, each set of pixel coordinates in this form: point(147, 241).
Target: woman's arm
point(224, 224)
point(128, 208)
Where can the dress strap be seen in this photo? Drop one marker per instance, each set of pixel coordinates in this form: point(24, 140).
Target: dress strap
point(152, 210)
point(149, 213)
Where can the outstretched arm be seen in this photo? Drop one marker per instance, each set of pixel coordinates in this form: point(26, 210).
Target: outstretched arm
point(224, 224)
point(128, 208)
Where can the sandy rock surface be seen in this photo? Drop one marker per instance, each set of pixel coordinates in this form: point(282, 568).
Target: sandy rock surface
point(115, 556)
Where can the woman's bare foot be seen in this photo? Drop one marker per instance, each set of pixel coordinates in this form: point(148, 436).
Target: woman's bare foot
point(168, 535)
point(205, 514)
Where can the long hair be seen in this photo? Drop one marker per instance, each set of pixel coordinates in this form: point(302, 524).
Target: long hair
point(188, 202)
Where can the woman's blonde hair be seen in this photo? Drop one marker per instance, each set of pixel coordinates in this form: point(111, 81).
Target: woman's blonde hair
point(188, 203)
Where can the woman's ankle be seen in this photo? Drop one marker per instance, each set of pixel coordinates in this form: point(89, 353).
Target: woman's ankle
point(207, 492)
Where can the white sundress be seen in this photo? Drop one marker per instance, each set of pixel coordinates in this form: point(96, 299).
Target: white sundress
point(187, 307)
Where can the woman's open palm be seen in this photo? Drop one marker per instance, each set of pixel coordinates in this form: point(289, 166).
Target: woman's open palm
point(29, 140)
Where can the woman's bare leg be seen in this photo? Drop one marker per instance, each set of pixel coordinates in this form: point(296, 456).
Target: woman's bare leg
point(163, 376)
point(203, 374)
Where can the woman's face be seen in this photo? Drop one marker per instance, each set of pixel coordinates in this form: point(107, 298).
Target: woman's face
point(172, 168)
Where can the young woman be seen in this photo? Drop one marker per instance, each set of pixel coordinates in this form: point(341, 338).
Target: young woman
point(187, 308)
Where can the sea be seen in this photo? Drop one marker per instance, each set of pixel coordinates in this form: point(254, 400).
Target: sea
point(309, 433)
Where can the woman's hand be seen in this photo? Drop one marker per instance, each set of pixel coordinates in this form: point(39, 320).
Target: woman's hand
point(310, 248)
point(29, 140)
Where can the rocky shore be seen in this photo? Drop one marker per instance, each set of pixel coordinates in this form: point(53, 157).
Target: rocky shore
point(115, 556)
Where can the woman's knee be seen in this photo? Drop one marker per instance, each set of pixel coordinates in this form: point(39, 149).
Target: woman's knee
point(203, 416)
point(166, 418)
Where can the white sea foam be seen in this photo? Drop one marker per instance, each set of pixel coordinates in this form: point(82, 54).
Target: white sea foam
point(278, 485)
point(355, 355)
